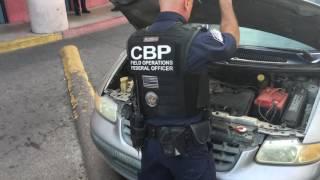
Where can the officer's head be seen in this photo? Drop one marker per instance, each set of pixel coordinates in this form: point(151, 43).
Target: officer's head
point(182, 7)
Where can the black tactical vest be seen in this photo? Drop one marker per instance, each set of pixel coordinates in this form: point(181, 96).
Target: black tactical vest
point(158, 62)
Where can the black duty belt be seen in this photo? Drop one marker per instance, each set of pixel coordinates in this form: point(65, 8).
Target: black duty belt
point(175, 140)
point(166, 134)
point(159, 131)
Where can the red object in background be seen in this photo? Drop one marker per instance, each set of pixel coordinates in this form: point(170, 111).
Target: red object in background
point(272, 96)
point(17, 11)
point(95, 3)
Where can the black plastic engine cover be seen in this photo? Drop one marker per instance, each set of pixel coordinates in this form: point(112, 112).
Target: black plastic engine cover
point(237, 102)
point(293, 115)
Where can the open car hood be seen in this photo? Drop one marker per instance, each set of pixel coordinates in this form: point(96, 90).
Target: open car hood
point(295, 19)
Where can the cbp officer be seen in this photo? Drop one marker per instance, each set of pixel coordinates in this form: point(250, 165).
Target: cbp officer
point(169, 63)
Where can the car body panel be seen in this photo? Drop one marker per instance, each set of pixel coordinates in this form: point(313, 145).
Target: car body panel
point(294, 19)
point(312, 130)
point(125, 159)
point(121, 156)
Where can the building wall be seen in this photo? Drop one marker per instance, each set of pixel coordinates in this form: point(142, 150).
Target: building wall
point(17, 10)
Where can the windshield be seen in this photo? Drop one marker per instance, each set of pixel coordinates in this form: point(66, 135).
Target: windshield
point(253, 37)
point(314, 1)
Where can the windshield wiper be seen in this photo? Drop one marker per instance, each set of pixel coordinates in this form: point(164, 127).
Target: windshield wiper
point(305, 54)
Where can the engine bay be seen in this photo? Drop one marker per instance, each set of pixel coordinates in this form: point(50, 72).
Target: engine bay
point(247, 106)
point(259, 94)
point(279, 99)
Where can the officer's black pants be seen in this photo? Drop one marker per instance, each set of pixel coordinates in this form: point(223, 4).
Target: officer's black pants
point(196, 164)
point(77, 5)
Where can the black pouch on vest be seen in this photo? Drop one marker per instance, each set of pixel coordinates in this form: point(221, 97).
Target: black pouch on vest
point(201, 131)
point(172, 140)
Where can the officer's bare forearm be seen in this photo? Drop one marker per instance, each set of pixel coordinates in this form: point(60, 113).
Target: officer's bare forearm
point(229, 23)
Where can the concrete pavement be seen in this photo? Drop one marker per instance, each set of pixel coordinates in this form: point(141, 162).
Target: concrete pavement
point(37, 133)
point(19, 36)
point(38, 138)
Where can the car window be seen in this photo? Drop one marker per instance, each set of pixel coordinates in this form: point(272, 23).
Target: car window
point(254, 37)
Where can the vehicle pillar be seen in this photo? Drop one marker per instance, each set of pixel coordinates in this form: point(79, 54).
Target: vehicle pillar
point(48, 16)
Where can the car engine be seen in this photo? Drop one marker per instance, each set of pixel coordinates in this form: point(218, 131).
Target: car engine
point(249, 106)
point(246, 107)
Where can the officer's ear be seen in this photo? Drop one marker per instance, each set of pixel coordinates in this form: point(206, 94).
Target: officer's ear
point(188, 4)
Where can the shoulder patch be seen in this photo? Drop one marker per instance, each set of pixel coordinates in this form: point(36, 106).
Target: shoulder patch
point(217, 35)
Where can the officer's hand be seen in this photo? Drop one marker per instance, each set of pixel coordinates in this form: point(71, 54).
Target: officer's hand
point(229, 23)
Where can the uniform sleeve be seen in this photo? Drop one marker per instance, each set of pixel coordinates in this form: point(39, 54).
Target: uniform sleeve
point(210, 45)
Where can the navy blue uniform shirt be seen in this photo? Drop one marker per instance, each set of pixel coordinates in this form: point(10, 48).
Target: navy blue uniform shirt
point(210, 45)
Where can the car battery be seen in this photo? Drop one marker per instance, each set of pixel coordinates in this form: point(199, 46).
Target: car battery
point(270, 104)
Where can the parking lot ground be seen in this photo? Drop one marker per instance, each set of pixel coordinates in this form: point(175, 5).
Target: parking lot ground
point(18, 36)
point(38, 139)
point(37, 134)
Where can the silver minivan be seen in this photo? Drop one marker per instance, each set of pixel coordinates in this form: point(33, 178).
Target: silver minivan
point(264, 101)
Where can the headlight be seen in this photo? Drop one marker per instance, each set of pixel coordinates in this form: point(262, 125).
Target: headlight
point(288, 152)
point(107, 107)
